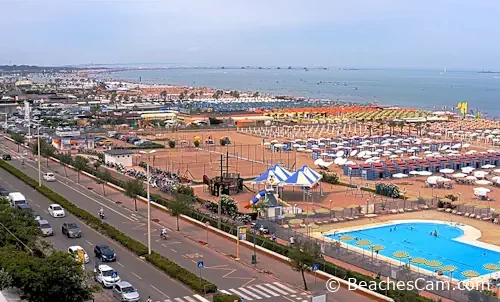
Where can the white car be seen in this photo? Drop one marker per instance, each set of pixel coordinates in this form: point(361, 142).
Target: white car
point(74, 251)
point(106, 275)
point(49, 177)
point(56, 211)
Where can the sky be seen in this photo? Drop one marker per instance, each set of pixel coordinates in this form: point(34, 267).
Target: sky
point(460, 34)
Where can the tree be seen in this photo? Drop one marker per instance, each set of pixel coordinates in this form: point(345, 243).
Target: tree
point(302, 255)
point(391, 125)
point(192, 96)
point(46, 150)
point(180, 205)
point(18, 138)
point(181, 96)
point(132, 189)
point(66, 160)
point(96, 165)
point(163, 94)
point(95, 110)
point(80, 164)
point(401, 126)
point(171, 144)
point(196, 143)
point(102, 179)
point(5, 279)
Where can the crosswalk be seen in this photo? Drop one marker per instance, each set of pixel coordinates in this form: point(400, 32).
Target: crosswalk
point(253, 292)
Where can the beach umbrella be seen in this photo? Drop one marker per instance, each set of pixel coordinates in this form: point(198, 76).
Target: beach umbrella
point(496, 171)
point(346, 238)
point(449, 268)
point(400, 255)
point(491, 267)
point(433, 263)
point(488, 166)
point(459, 175)
point(483, 182)
point(418, 260)
point(446, 171)
point(289, 215)
point(480, 174)
point(425, 173)
point(414, 172)
point(363, 242)
point(470, 274)
point(399, 175)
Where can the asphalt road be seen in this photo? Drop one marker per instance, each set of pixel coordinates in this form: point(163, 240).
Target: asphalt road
point(227, 275)
point(148, 280)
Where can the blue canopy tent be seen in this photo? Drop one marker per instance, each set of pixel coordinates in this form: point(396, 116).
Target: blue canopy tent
point(277, 172)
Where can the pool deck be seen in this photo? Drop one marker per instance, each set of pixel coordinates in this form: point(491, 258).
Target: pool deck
point(472, 235)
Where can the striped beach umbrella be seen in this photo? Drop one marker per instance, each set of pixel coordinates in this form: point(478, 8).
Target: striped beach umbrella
point(363, 242)
point(400, 255)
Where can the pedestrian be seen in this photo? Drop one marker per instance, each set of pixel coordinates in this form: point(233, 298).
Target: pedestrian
point(292, 241)
point(273, 237)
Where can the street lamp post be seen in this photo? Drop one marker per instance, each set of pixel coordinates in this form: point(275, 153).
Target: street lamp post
point(148, 179)
point(39, 169)
point(207, 224)
point(254, 257)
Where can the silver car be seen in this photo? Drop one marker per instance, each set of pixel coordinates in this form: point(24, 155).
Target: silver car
point(124, 291)
point(45, 227)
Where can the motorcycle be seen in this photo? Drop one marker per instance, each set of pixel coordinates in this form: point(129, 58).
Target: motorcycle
point(101, 215)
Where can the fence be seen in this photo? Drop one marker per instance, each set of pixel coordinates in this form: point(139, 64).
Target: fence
point(369, 261)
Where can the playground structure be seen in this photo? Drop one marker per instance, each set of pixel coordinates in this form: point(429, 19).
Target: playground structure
point(226, 183)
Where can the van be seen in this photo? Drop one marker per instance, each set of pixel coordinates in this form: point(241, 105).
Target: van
point(16, 198)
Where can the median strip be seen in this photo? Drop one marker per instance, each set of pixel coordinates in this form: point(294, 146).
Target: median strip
point(170, 268)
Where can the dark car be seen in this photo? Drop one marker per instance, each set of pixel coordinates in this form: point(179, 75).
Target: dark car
point(6, 157)
point(104, 252)
point(3, 192)
point(71, 229)
point(25, 209)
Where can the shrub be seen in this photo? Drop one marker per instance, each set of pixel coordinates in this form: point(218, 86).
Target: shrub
point(197, 144)
point(223, 142)
point(329, 177)
point(171, 144)
point(163, 263)
point(225, 298)
point(184, 190)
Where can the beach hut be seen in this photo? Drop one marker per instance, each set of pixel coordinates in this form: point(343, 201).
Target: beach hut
point(276, 171)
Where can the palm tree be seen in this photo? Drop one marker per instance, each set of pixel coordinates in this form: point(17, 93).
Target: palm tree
point(401, 126)
point(391, 125)
point(102, 179)
point(179, 206)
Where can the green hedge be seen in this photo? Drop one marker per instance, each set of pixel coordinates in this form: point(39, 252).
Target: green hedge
point(163, 263)
point(225, 298)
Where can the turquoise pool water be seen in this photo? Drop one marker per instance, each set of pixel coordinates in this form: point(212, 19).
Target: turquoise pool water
point(415, 238)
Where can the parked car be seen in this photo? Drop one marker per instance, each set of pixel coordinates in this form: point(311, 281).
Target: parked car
point(71, 229)
point(104, 252)
point(74, 250)
point(4, 192)
point(45, 227)
point(124, 291)
point(106, 275)
point(56, 211)
point(49, 177)
point(25, 209)
point(6, 157)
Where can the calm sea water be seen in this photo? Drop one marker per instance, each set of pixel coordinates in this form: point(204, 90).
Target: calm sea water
point(412, 88)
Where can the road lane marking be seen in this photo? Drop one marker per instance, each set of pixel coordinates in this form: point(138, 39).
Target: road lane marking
point(225, 292)
point(259, 291)
point(277, 289)
point(178, 299)
point(189, 299)
point(200, 298)
point(89, 242)
point(136, 275)
point(250, 293)
point(119, 264)
point(38, 205)
point(284, 287)
point(159, 291)
point(234, 291)
point(259, 286)
point(46, 211)
point(173, 250)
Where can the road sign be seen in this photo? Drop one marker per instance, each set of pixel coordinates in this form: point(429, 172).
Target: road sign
point(200, 264)
point(114, 275)
point(315, 267)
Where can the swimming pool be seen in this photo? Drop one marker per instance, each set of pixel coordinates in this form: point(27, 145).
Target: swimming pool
point(417, 239)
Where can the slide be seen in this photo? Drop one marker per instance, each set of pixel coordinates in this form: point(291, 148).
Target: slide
point(262, 194)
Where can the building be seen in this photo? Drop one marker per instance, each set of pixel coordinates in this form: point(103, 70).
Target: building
point(118, 157)
point(71, 140)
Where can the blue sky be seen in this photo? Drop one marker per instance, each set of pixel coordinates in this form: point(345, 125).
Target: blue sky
point(460, 34)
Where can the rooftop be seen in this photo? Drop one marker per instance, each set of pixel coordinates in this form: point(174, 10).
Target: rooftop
point(118, 152)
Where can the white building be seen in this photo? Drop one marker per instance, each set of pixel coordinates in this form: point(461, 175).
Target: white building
point(118, 157)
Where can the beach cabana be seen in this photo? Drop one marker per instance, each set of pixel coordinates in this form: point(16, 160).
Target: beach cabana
point(277, 172)
point(300, 179)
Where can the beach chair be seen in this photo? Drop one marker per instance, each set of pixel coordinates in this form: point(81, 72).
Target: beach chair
point(349, 218)
point(448, 210)
point(495, 220)
point(466, 215)
point(319, 222)
point(408, 209)
point(479, 217)
point(401, 210)
point(355, 217)
point(334, 220)
point(302, 225)
point(460, 213)
point(472, 215)
point(416, 208)
point(440, 209)
point(425, 207)
point(454, 212)
point(394, 211)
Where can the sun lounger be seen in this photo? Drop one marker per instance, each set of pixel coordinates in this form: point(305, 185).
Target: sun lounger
point(466, 215)
point(349, 218)
point(448, 210)
point(319, 222)
point(408, 209)
point(479, 217)
point(454, 212)
point(325, 222)
point(401, 210)
point(356, 217)
point(495, 220)
point(485, 218)
point(460, 213)
point(440, 209)
point(394, 211)
point(426, 207)
point(472, 216)
point(341, 219)
point(302, 225)
point(334, 220)
point(416, 209)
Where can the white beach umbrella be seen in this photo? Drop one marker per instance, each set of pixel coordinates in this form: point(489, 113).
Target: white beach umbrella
point(481, 190)
point(267, 144)
point(309, 151)
point(496, 171)
point(274, 141)
point(459, 175)
point(483, 182)
point(399, 175)
point(480, 174)
point(414, 172)
point(488, 166)
point(393, 156)
point(425, 173)
point(446, 171)
point(470, 177)
point(301, 149)
point(296, 145)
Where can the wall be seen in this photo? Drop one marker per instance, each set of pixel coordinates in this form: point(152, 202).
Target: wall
point(125, 160)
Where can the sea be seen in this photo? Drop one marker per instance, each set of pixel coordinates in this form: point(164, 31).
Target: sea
point(423, 89)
